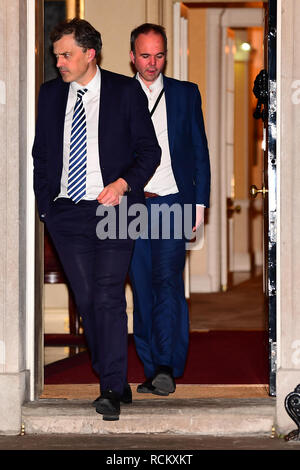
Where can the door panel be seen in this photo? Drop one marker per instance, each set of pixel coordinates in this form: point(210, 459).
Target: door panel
point(267, 112)
point(270, 208)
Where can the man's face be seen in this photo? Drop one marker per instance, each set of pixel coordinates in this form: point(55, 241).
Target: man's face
point(73, 63)
point(150, 56)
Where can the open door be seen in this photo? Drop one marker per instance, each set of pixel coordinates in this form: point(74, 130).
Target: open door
point(265, 90)
point(270, 178)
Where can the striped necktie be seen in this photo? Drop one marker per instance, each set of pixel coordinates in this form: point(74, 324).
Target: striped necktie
point(77, 162)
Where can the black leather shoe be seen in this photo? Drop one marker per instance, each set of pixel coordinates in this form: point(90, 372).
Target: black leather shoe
point(125, 398)
point(108, 405)
point(164, 380)
point(147, 387)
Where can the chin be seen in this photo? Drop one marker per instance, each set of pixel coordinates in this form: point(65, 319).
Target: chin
point(66, 78)
point(152, 78)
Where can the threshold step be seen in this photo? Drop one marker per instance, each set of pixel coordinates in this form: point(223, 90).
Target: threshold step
point(207, 416)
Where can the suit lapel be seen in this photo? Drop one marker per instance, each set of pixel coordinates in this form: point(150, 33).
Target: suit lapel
point(171, 111)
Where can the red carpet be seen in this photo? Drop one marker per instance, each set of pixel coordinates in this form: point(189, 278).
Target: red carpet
point(215, 357)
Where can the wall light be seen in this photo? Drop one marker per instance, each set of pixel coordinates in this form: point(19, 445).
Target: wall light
point(245, 46)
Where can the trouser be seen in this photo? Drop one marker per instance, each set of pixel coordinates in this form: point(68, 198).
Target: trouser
point(161, 319)
point(96, 270)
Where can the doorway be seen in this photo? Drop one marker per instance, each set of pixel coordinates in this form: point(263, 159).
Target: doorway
point(245, 262)
point(229, 295)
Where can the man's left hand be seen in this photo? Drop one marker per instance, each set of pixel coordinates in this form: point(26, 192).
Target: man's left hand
point(199, 217)
point(112, 193)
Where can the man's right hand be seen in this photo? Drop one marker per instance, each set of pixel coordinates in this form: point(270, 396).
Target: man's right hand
point(112, 193)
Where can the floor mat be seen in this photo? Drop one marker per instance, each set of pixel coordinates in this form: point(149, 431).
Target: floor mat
point(214, 357)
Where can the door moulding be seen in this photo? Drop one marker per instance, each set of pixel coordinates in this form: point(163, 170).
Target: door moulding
point(218, 20)
point(30, 200)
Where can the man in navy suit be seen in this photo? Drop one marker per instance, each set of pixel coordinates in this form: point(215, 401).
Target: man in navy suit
point(181, 182)
point(95, 145)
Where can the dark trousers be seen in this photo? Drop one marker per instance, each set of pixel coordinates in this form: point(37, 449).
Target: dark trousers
point(96, 270)
point(161, 319)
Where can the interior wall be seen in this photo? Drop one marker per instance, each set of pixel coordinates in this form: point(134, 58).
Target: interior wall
point(248, 154)
point(255, 150)
point(197, 49)
point(241, 255)
point(197, 74)
point(115, 20)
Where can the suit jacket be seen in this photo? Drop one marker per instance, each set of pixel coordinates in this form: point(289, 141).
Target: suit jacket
point(187, 141)
point(128, 146)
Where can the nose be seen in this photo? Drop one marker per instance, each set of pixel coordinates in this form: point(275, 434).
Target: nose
point(153, 60)
point(59, 61)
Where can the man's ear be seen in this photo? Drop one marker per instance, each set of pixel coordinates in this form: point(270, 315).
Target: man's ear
point(91, 54)
point(132, 57)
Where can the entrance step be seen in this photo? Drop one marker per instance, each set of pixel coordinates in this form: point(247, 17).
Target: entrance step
point(203, 416)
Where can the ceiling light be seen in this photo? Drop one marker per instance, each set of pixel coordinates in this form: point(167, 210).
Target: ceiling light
point(245, 46)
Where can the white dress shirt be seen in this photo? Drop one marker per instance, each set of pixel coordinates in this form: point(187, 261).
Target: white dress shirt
point(91, 102)
point(163, 181)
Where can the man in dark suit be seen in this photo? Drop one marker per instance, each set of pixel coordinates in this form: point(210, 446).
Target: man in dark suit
point(95, 145)
point(181, 182)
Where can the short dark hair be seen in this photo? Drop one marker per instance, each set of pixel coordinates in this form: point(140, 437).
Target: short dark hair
point(86, 36)
point(145, 29)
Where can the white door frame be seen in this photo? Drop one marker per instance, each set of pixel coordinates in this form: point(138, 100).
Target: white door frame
point(218, 20)
point(30, 200)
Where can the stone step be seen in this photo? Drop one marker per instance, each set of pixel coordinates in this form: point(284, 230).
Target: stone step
point(211, 416)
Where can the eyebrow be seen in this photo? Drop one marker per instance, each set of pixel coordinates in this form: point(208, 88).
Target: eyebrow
point(62, 53)
point(148, 53)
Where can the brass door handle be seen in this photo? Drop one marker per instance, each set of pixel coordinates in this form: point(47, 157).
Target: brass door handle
point(254, 191)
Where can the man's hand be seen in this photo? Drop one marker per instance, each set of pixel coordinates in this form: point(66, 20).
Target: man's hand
point(199, 217)
point(112, 193)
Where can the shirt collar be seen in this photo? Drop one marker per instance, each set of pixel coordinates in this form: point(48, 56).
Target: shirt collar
point(154, 87)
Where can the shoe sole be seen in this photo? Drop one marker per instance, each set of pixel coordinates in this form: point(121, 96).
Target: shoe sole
point(107, 414)
point(125, 402)
point(164, 382)
point(110, 418)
